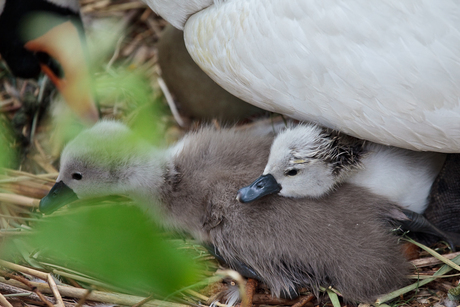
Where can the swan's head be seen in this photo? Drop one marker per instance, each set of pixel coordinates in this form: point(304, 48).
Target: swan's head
point(105, 160)
point(176, 12)
point(305, 161)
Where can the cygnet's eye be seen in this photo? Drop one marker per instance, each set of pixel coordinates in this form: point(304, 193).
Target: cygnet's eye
point(77, 176)
point(291, 172)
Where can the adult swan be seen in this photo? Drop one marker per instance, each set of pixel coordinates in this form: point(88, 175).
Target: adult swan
point(385, 71)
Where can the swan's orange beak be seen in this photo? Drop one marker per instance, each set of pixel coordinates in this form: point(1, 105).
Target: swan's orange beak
point(63, 44)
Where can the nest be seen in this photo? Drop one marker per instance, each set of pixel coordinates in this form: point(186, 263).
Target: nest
point(33, 161)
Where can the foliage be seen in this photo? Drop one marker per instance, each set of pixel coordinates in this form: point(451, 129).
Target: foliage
point(117, 244)
point(8, 153)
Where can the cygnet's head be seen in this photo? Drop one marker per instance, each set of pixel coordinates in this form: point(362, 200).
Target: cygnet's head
point(105, 160)
point(305, 161)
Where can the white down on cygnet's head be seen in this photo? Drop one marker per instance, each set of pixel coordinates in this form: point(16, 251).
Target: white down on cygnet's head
point(111, 159)
point(310, 161)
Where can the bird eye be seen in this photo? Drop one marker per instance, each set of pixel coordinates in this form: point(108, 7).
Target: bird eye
point(77, 176)
point(291, 172)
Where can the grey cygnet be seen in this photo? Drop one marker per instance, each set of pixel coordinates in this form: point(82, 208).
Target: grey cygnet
point(342, 240)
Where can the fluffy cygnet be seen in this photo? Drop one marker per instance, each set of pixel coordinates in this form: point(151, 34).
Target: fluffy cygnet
point(340, 240)
point(309, 161)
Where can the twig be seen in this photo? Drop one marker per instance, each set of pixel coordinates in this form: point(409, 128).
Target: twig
point(4, 288)
point(430, 261)
point(126, 6)
point(303, 301)
point(19, 200)
point(98, 296)
point(4, 302)
point(44, 164)
point(116, 53)
point(268, 299)
point(41, 152)
point(44, 276)
point(84, 298)
point(144, 301)
point(28, 284)
point(435, 254)
point(94, 7)
point(4, 209)
point(251, 286)
point(27, 191)
point(12, 172)
point(37, 113)
point(87, 280)
point(170, 101)
point(17, 294)
point(197, 295)
point(73, 282)
point(82, 279)
point(6, 102)
point(23, 178)
point(431, 276)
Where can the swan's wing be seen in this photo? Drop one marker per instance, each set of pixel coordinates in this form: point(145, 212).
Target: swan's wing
point(386, 71)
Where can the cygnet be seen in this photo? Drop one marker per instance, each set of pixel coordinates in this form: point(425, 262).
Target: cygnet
point(339, 240)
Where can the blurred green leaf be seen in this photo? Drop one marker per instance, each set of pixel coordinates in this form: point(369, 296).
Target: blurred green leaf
point(7, 153)
point(133, 92)
point(119, 245)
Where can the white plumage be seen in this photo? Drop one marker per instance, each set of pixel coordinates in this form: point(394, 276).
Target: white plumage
point(401, 176)
point(69, 4)
point(385, 71)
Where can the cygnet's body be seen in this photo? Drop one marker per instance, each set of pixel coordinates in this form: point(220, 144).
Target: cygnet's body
point(340, 240)
point(309, 161)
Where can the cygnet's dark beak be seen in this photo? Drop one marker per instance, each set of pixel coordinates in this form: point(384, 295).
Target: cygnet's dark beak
point(264, 185)
point(59, 196)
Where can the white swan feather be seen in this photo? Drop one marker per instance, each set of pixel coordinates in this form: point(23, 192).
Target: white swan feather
point(385, 71)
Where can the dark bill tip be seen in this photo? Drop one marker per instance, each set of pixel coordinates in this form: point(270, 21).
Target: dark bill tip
point(59, 196)
point(264, 185)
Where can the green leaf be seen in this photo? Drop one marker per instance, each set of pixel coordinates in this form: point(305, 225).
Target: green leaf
point(119, 245)
point(333, 297)
point(7, 152)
